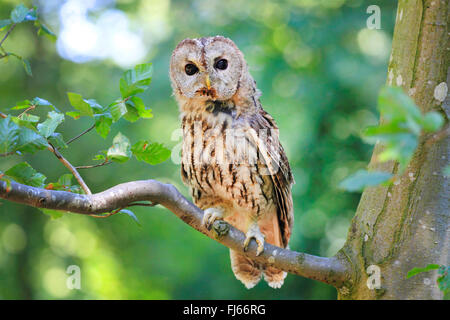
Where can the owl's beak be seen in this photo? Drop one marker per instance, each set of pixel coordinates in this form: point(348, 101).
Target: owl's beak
point(208, 82)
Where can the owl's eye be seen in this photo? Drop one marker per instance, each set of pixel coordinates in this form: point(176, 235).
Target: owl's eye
point(190, 69)
point(222, 64)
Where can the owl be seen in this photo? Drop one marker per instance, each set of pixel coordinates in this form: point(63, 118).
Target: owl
point(231, 157)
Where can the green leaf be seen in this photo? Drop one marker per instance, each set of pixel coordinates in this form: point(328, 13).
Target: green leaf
point(17, 138)
point(101, 156)
point(65, 179)
point(131, 214)
point(362, 178)
point(57, 140)
point(27, 66)
point(5, 23)
point(64, 183)
point(41, 102)
point(54, 214)
point(117, 110)
point(103, 124)
point(45, 31)
point(9, 135)
point(396, 105)
point(77, 101)
point(152, 153)
point(25, 174)
point(432, 121)
point(30, 141)
point(22, 105)
point(415, 271)
point(120, 150)
point(139, 105)
point(24, 123)
point(49, 126)
point(136, 80)
point(28, 117)
point(74, 114)
point(19, 13)
point(132, 114)
point(36, 102)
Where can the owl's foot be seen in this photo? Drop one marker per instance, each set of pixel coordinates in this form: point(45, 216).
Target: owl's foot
point(210, 215)
point(254, 233)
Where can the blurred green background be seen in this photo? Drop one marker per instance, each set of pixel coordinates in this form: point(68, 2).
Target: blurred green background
point(319, 69)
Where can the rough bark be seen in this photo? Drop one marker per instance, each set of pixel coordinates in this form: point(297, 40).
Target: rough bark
point(406, 225)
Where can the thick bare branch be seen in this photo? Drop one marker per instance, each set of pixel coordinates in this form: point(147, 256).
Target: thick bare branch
point(334, 270)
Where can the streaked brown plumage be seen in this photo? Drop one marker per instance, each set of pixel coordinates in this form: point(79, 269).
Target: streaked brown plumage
point(231, 156)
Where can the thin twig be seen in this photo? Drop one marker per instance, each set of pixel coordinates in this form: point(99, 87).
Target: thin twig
point(4, 116)
point(7, 33)
point(71, 168)
point(106, 215)
point(26, 110)
point(106, 162)
point(81, 134)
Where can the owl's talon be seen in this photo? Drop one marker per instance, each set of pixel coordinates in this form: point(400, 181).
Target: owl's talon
point(210, 215)
point(254, 233)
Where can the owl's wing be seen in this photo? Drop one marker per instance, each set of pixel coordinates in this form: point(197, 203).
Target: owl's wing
point(264, 134)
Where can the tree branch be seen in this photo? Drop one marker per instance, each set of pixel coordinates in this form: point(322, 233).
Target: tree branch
point(334, 270)
point(71, 168)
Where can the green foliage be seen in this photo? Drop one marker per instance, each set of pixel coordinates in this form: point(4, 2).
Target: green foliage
point(136, 80)
point(443, 279)
point(22, 13)
point(152, 153)
point(399, 132)
point(14, 137)
point(25, 174)
point(48, 127)
point(416, 270)
point(120, 150)
point(18, 15)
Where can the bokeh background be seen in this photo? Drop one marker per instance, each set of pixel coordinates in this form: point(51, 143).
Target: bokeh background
point(319, 69)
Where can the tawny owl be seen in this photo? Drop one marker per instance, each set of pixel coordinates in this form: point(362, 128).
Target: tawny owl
point(231, 156)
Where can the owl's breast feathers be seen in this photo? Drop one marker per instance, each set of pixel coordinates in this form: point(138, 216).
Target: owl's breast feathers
point(236, 161)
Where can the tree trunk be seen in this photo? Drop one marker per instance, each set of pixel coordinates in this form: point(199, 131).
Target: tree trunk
point(406, 225)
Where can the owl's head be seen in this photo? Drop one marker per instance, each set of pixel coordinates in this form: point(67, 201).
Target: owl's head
point(207, 68)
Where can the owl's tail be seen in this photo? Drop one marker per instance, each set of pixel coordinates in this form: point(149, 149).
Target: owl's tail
point(245, 270)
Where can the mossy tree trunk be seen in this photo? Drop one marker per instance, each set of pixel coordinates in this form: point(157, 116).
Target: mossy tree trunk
point(406, 225)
